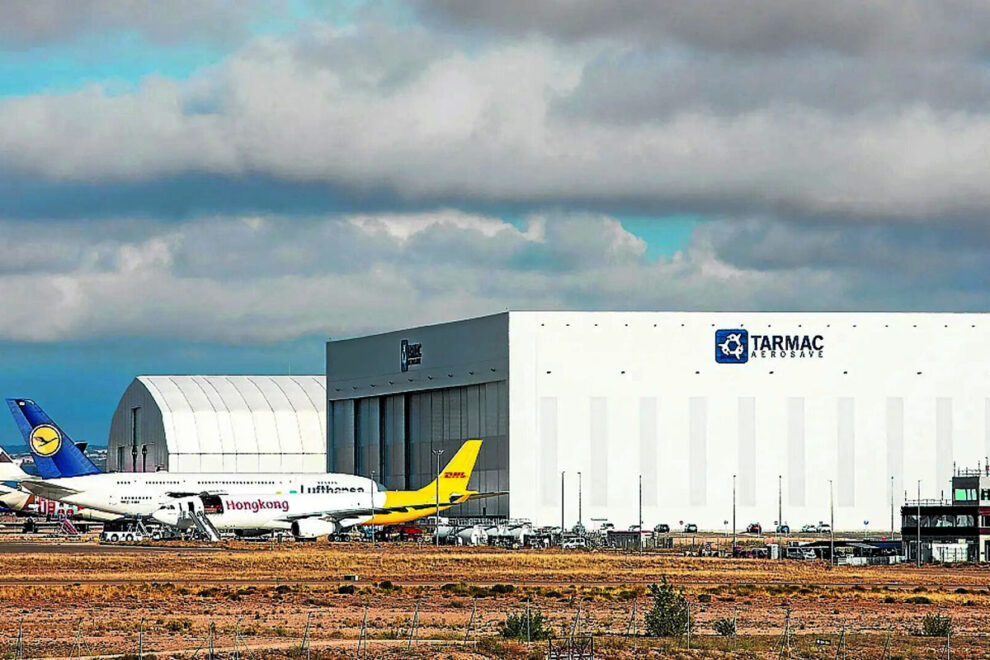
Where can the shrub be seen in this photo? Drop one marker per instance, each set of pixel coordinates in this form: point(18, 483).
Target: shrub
point(346, 589)
point(918, 600)
point(386, 585)
point(725, 627)
point(178, 625)
point(502, 588)
point(669, 615)
point(936, 625)
point(527, 625)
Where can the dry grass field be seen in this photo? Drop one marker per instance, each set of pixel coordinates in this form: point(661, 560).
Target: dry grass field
point(89, 603)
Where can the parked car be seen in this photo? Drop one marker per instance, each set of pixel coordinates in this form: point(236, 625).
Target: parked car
point(801, 553)
point(754, 528)
point(690, 528)
point(783, 529)
point(809, 529)
point(575, 543)
point(824, 528)
point(662, 528)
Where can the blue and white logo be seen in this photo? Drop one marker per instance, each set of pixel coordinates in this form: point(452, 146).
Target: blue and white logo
point(732, 346)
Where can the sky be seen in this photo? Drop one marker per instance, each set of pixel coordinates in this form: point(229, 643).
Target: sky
point(219, 186)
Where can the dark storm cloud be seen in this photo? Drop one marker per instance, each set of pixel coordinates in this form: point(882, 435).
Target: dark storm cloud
point(739, 26)
point(377, 113)
point(38, 22)
point(637, 87)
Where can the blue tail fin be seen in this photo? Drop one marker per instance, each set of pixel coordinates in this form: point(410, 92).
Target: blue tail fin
point(55, 455)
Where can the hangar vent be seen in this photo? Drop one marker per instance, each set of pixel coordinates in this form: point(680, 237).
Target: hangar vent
point(220, 424)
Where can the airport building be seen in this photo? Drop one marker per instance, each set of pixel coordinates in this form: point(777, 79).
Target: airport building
point(576, 406)
point(954, 529)
point(220, 424)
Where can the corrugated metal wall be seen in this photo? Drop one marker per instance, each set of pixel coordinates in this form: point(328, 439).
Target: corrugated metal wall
point(395, 436)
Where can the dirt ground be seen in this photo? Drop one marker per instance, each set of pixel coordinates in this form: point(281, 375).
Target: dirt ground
point(78, 601)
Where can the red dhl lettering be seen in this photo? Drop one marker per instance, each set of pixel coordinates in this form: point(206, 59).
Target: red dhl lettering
point(454, 475)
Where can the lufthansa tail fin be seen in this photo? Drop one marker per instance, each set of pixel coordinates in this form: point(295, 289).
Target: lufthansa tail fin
point(455, 476)
point(55, 455)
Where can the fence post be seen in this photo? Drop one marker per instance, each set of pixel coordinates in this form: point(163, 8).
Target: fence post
point(362, 643)
point(141, 640)
point(415, 624)
point(19, 649)
point(237, 640)
point(77, 646)
point(735, 630)
point(304, 645)
point(632, 618)
point(474, 610)
point(688, 625)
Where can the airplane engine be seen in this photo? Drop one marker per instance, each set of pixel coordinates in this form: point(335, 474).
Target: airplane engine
point(311, 528)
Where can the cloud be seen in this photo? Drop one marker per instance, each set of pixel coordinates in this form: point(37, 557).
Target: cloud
point(737, 26)
point(265, 279)
point(39, 22)
point(374, 109)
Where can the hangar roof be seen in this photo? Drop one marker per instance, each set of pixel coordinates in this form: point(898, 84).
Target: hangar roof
point(241, 414)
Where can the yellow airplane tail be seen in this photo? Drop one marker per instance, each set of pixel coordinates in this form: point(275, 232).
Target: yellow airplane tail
point(455, 476)
point(453, 489)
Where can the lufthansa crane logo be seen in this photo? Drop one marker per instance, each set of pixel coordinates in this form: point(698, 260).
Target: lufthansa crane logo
point(731, 346)
point(45, 440)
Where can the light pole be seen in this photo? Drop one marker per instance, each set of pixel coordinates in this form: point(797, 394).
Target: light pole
point(891, 507)
point(831, 525)
point(640, 531)
point(562, 473)
point(372, 507)
point(732, 550)
point(917, 525)
point(436, 529)
point(780, 500)
point(580, 517)
point(780, 515)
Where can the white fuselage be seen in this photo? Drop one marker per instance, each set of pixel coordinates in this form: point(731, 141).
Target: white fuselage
point(138, 493)
point(252, 511)
point(26, 504)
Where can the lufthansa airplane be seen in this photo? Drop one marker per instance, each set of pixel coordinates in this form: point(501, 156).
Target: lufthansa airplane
point(319, 502)
point(23, 503)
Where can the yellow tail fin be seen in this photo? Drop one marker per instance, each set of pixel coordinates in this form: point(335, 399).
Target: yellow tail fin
point(455, 476)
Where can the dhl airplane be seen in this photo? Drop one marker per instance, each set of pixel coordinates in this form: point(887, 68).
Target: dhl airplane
point(309, 505)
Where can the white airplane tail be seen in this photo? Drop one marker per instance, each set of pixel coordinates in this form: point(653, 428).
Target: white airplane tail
point(10, 470)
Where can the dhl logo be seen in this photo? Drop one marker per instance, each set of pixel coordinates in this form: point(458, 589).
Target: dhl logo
point(454, 475)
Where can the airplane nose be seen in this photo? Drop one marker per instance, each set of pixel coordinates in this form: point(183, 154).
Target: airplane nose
point(165, 517)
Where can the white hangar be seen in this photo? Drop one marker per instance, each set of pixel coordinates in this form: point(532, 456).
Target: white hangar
point(871, 402)
point(220, 424)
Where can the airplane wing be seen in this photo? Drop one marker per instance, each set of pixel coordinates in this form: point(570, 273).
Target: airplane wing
point(426, 506)
point(198, 493)
point(48, 489)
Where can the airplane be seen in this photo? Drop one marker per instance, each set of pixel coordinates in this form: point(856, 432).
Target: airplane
point(68, 476)
point(311, 515)
point(23, 503)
